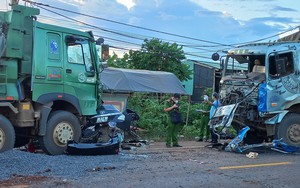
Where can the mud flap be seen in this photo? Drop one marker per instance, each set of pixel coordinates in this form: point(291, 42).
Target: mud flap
point(43, 122)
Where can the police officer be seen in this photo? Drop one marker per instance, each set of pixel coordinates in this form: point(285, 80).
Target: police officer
point(172, 128)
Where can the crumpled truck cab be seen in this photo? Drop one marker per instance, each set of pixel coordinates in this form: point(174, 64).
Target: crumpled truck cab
point(265, 97)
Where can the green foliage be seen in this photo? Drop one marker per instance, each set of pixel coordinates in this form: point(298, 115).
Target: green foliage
point(155, 55)
point(114, 61)
point(153, 117)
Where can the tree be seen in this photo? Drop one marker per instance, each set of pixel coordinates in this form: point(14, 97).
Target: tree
point(155, 55)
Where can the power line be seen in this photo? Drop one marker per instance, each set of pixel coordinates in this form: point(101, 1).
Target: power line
point(116, 22)
point(254, 41)
point(91, 26)
point(187, 45)
point(139, 38)
point(191, 38)
point(106, 30)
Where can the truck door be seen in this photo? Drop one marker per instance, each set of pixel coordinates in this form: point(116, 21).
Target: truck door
point(282, 82)
point(48, 65)
point(80, 78)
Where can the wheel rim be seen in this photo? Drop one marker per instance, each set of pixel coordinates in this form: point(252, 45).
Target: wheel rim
point(2, 138)
point(63, 132)
point(294, 133)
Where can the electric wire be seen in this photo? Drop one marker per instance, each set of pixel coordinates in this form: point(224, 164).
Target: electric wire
point(187, 45)
point(116, 22)
point(127, 35)
point(109, 31)
point(130, 25)
point(90, 26)
point(167, 33)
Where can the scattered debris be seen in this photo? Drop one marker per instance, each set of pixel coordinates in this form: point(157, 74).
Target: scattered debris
point(48, 170)
point(98, 168)
point(237, 145)
point(252, 155)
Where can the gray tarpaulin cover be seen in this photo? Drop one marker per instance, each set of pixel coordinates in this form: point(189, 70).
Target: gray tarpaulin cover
point(132, 80)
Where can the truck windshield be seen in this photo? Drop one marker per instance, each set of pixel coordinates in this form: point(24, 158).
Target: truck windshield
point(239, 65)
point(234, 66)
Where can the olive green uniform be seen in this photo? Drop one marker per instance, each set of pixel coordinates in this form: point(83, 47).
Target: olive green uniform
point(204, 128)
point(172, 129)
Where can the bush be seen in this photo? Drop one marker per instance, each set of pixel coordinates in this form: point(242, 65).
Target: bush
point(153, 118)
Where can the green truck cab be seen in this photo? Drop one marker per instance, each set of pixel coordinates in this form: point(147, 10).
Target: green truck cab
point(49, 81)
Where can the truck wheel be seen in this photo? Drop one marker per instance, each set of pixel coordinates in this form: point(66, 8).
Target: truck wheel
point(7, 134)
point(61, 127)
point(289, 129)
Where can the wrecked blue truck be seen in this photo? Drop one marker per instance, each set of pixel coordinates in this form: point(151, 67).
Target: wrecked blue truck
point(260, 88)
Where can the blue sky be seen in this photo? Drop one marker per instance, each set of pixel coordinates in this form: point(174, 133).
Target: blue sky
point(218, 21)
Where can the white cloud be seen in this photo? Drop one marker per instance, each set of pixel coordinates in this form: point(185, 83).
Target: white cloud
point(165, 16)
point(158, 2)
point(226, 14)
point(250, 9)
point(134, 21)
point(129, 4)
point(73, 2)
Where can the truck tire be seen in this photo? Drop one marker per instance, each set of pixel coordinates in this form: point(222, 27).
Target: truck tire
point(7, 134)
point(289, 129)
point(61, 127)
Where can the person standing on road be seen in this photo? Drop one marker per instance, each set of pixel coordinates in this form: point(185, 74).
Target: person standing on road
point(204, 132)
point(214, 105)
point(172, 128)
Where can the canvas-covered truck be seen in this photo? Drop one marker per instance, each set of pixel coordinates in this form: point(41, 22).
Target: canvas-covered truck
point(49, 81)
point(260, 88)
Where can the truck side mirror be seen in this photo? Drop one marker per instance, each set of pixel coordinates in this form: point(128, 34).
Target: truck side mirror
point(99, 41)
point(215, 56)
point(280, 66)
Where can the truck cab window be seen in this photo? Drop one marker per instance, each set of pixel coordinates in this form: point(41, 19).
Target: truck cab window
point(87, 58)
point(79, 53)
point(281, 65)
point(75, 54)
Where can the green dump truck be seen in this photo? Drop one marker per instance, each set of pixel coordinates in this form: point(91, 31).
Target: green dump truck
point(49, 81)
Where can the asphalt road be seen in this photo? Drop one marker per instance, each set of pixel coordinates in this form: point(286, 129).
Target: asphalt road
point(193, 165)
